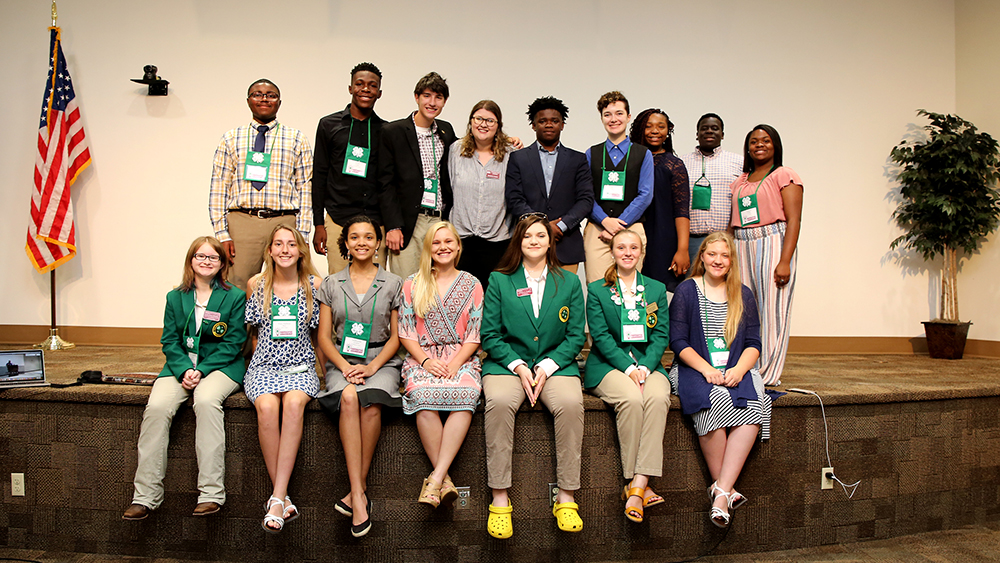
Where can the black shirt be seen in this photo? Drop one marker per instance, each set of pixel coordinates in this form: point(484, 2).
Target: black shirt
point(342, 195)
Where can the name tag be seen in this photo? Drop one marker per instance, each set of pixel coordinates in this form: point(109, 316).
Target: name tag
point(492, 175)
point(355, 167)
point(212, 316)
point(633, 333)
point(611, 192)
point(524, 292)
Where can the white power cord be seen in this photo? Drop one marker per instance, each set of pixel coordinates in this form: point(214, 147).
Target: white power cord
point(826, 432)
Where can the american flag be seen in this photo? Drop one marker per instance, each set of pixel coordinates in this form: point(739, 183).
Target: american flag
point(62, 155)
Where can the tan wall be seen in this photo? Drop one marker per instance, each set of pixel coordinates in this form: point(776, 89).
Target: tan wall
point(840, 81)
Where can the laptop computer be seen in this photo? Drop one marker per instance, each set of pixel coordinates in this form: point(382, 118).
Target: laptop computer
point(22, 368)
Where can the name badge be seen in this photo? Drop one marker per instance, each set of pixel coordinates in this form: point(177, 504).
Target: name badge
point(718, 352)
point(284, 321)
point(523, 292)
point(212, 316)
point(633, 332)
point(356, 161)
point(748, 210)
point(490, 175)
point(429, 199)
point(255, 169)
point(613, 186)
point(356, 337)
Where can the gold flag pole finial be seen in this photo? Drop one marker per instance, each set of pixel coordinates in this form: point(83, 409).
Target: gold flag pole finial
point(54, 13)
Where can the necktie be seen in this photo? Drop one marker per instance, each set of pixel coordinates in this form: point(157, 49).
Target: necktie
point(258, 146)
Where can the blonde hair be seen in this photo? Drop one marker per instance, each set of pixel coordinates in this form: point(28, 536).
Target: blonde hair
point(734, 286)
point(303, 266)
point(611, 274)
point(425, 280)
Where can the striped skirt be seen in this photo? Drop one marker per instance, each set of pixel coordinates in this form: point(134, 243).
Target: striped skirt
point(759, 251)
point(723, 414)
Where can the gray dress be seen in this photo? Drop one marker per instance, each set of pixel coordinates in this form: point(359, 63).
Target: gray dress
point(385, 294)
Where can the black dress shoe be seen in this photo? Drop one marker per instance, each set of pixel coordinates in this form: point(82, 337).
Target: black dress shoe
point(364, 527)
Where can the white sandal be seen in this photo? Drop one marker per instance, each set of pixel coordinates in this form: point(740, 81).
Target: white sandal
point(718, 516)
point(268, 517)
point(290, 509)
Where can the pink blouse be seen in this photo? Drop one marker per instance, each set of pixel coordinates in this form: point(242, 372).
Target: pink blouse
point(769, 202)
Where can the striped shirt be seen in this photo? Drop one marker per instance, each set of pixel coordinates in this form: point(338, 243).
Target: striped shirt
point(287, 186)
point(479, 208)
point(721, 170)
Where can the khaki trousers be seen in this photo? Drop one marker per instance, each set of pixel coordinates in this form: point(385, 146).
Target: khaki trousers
point(563, 396)
point(598, 253)
point(165, 398)
point(334, 261)
point(408, 260)
point(251, 236)
point(641, 418)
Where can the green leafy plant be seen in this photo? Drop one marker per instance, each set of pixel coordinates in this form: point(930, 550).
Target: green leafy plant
point(949, 196)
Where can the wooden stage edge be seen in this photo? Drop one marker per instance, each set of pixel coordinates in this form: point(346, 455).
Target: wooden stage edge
point(125, 336)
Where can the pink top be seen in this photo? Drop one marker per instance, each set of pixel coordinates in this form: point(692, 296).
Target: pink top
point(769, 203)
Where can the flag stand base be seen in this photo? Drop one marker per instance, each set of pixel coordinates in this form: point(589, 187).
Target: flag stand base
point(54, 342)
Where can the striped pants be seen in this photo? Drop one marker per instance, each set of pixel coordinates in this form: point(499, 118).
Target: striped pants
point(759, 251)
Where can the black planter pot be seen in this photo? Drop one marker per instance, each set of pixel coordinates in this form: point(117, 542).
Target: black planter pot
point(946, 340)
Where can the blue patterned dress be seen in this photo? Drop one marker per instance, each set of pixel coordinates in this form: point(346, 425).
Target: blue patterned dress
point(269, 368)
point(452, 322)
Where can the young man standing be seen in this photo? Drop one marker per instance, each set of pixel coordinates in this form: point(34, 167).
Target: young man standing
point(344, 175)
point(551, 179)
point(260, 178)
point(623, 185)
point(711, 171)
point(414, 190)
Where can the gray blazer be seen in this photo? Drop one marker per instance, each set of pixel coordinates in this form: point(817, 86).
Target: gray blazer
point(386, 292)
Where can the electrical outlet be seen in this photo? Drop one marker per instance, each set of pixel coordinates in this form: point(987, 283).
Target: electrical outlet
point(464, 498)
point(825, 482)
point(553, 491)
point(17, 484)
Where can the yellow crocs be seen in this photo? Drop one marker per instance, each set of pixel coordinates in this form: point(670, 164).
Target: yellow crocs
point(499, 524)
point(567, 516)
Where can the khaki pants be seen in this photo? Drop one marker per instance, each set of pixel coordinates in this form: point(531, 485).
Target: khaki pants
point(641, 418)
point(408, 260)
point(165, 398)
point(251, 236)
point(563, 396)
point(334, 261)
point(598, 253)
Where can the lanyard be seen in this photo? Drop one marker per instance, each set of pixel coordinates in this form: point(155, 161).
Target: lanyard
point(434, 153)
point(374, 300)
point(273, 137)
point(604, 161)
point(350, 132)
point(739, 192)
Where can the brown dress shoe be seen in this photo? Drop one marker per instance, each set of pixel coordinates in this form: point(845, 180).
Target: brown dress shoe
point(206, 508)
point(136, 512)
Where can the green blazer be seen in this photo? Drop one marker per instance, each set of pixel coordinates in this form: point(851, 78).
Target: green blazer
point(219, 342)
point(510, 330)
point(608, 352)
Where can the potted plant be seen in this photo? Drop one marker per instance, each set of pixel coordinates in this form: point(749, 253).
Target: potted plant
point(949, 203)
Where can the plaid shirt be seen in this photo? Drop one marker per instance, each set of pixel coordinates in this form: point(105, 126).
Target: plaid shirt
point(288, 180)
point(431, 150)
point(721, 170)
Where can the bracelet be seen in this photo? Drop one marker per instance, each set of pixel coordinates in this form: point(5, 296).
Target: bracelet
point(425, 359)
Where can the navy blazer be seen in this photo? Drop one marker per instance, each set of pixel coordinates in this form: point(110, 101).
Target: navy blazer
point(401, 174)
point(571, 197)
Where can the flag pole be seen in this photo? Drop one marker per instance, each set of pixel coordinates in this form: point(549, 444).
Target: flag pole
point(53, 342)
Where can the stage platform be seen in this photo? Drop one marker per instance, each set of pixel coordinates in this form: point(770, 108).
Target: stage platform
point(920, 434)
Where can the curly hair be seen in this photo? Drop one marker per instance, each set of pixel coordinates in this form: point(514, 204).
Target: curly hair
point(366, 67)
point(342, 239)
point(637, 131)
point(547, 102)
point(610, 98)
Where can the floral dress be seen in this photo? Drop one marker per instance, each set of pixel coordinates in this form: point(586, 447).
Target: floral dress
point(453, 321)
point(281, 365)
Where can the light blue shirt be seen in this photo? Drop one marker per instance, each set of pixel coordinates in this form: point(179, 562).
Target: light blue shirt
point(548, 171)
point(638, 205)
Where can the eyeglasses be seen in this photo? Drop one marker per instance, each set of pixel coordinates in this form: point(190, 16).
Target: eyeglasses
point(489, 121)
point(210, 258)
point(267, 95)
point(538, 214)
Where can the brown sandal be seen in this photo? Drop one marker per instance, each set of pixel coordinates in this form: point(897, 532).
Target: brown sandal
point(448, 491)
point(430, 493)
